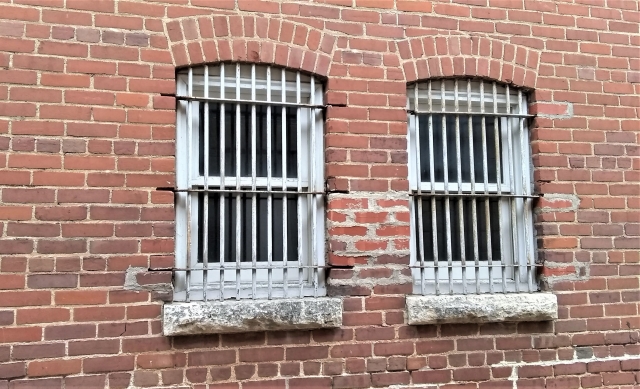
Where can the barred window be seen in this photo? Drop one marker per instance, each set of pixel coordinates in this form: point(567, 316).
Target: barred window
point(470, 180)
point(249, 169)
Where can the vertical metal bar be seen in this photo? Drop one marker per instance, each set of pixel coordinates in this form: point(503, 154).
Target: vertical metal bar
point(497, 134)
point(269, 196)
point(418, 199)
point(447, 207)
point(434, 232)
point(189, 176)
point(485, 170)
point(299, 186)
point(463, 254)
point(223, 125)
point(525, 190)
point(474, 206)
point(254, 216)
point(514, 219)
point(312, 187)
point(205, 179)
point(284, 184)
point(238, 178)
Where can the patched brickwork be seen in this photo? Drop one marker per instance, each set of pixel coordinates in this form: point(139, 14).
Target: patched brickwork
point(87, 129)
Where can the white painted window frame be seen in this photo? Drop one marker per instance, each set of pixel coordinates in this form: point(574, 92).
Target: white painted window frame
point(255, 281)
point(519, 264)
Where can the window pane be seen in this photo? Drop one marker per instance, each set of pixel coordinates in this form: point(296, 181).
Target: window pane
point(245, 140)
point(229, 226)
point(455, 232)
point(465, 153)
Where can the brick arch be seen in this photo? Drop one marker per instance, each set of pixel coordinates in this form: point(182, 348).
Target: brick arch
point(448, 56)
point(250, 39)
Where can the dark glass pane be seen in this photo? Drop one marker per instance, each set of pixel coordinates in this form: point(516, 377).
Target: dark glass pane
point(290, 120)
point(465, 152)
point(230, 139)
point(455, 231)
point(229, 227)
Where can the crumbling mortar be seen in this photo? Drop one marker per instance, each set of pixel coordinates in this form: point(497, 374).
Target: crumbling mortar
point(131, 281)
point(575, 203)
point(396, 274)
point(516, 365)
point(395, 279)
point(567, 115)
point(581, 273)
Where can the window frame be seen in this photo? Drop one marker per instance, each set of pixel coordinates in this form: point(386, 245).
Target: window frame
point(256, 281)
point(514, 138)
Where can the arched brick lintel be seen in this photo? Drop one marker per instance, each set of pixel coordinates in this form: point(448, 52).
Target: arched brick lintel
point(250, 39)
point(450, 56)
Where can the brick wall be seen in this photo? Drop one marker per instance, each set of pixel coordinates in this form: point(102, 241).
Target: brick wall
point(87, 135)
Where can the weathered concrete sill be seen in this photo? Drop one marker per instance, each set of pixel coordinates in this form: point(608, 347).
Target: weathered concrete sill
point(484, 308)
point(215, 317)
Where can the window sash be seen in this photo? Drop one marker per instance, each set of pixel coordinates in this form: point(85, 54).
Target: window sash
point(512, 271)
point(202, 279)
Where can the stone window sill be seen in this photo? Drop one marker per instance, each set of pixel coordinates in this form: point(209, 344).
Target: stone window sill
point(232, 316)
point(482, 308)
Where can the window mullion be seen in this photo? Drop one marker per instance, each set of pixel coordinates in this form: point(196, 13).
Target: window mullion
point(238, 186)
point(447, 205)
point(498, 150)
point(463, 257)
point(485, 175)
point(418, 199)
point(285, 210)
point(514, 218)
point(269, 196)
point(223, 126)
point(312, 199)
point(205, 205)
point(525, 191)
point(474, 204)
point(189, 195)
point(254, 227)
point(434, 215)
point(299, 187)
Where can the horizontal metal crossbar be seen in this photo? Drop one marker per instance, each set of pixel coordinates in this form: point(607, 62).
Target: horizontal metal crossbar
point(471, 264)
point(250, 102)
point(245, 191)
point(491, 114)
point(249, 266)
point(474, 195)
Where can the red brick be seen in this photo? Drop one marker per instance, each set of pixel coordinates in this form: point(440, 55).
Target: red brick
point(12, 370)
point(54, 367)
point(81, 382)
point(108, 364)
point(111, 346)
point(11, 281)
point(433, 376)
point(34, 351)
point(42, 315)
point(352, 381)
point(19, 13)
point(20, 334)
point(15, 212)
point(42, 281)
point(24, 298)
